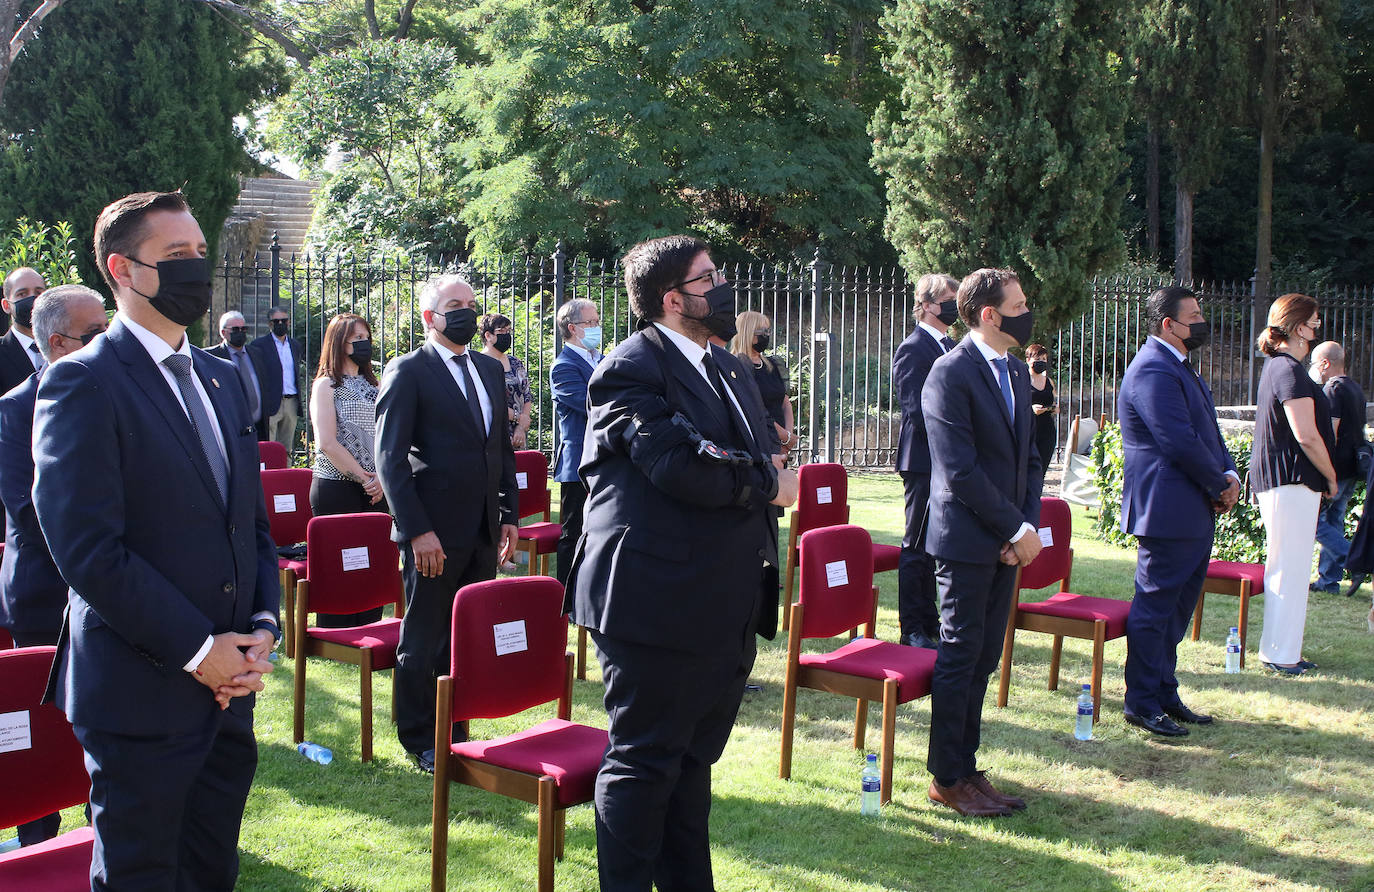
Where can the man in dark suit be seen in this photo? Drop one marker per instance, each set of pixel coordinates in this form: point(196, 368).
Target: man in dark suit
point(147, 490)
point(1177, 477)
point(19, 355)
point(279, 355)
point(580, 325)
point(936, 311)
point(32, 593)
point(250, 364)
point(448, 471)
point(984, 507)
point(676, 570)
point(1348, 415)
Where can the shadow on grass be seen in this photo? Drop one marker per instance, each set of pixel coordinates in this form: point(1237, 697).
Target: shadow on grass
point(264, 874)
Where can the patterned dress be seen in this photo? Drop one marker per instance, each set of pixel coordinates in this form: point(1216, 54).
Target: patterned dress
point(355, 413)
point(518, 391)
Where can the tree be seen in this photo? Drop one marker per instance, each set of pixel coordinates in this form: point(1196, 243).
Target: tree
point(1006, 146)
point(1192, 73)
point(106, 104)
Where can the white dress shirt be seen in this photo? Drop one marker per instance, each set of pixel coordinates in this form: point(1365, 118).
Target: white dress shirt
point(588, 356)
point(483, 398)
point(935, 333)
point(695, 353)
point(30, 348)
point(288, 365)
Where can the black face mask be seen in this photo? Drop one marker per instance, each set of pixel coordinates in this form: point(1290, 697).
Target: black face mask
point(1198, 332)
point(237, 337)
point(720, 311)
point(460, 325)
point(1019, 327)
point(949, 312)
point(1039, 366)
point(280, 327)
point(362, 353)
point(183, 290)
point(761, 341)
point(502, 342)
point(23, 311)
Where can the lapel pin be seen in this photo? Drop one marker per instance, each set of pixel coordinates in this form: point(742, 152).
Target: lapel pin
point(732, 374)
point(215, 381)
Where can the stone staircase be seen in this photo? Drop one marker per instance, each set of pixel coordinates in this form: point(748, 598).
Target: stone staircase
point(267, 206)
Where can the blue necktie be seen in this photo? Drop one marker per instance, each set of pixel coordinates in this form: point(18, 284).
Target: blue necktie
point(1005, 381)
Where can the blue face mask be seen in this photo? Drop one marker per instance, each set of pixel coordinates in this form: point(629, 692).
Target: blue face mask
point(591, 337)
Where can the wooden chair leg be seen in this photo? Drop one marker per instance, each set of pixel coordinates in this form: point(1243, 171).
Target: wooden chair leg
point(581, 653)
point(1055, 654)
point(1244, 617)
point(438, 841)
point(788, 573)
point(1008, 643)
point(1099, 643)
point(287, 579)
point(547, 808)
point(560, 831)
point(365, 701)
point(789, 697)
point(1197, 614)
point(298, 691)
point(860, 722)
point(889, 736)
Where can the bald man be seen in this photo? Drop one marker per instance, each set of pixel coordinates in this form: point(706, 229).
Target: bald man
point(20, 356)
point(1347, 422)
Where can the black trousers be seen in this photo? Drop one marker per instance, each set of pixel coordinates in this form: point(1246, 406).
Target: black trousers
point(571, 498)
point(974, 602)
point(342, 497)
point(671, 713)
point(916, 594)
point(423, 653)
point(167, 808)
point(1168, 579)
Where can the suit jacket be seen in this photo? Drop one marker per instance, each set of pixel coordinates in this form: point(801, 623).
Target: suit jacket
point(569, 376)
point(156, 562)
point(32, 593)
point(910, 368)
point(1176, 460)
point(986, 474)
point(270, 372)
point(440, 474)
point(15, 365)
point(673, 543)
point(260, 367)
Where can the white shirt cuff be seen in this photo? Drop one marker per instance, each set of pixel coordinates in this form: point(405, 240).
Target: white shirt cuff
point(1233, 475)
point(200, 654)
point(264, 614)
point(1025, 528)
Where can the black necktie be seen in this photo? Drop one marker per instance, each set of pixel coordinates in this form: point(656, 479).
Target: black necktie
point(200, 422)
point(37, 358)
point(947, 342)
point(717, 382)
point(474, 406)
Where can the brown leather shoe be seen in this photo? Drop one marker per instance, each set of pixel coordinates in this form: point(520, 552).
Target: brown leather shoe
point(984, 786)
point(965, 798)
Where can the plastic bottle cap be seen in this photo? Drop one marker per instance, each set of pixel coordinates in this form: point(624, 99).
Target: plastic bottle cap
point(1087, 687)
point(872, 757)
point(1235, 628)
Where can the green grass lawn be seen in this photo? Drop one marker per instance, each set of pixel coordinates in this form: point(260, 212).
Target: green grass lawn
point(1278, 795)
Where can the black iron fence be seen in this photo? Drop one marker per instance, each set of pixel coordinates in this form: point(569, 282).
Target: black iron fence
point(835, 328)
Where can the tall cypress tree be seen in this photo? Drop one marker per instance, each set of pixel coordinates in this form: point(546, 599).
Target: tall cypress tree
point(1006, 146)
point(123, 96)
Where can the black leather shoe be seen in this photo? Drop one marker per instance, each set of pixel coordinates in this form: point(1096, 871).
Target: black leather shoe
point(424, 761)
point(1356, 580)
point(918, 639)
point(1284, 670)
point(1307, 665)
point(1160, 724)
point(1181, 713)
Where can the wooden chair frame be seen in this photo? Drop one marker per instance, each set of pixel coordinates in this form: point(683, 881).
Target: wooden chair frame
point(1240, 588)
point(539, 790)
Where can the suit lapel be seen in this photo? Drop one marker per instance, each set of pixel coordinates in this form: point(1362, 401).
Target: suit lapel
point(984, 371)
point(225, 415)
point(688, 377)
point(439, 366)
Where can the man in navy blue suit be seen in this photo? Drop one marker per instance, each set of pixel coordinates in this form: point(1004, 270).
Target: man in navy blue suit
point(147, 490)
point(985, 482)
point(580, 325)
point(32, 593)
point(936, 310)
point(1178, 476)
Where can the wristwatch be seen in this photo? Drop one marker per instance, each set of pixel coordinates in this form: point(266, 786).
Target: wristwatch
point(269, 626)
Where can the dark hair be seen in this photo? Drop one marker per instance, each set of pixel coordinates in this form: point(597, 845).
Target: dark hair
point(1164, 304)
point(1037, 350)
point(122, 227)
point(335, 349)
point(491, 322)
point(1285, 316)
point(281, 310)
point(982, 288)
point(653, 267)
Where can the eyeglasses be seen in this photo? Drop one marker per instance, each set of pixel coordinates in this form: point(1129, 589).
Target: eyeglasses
point(717, 277)
point(242, 328)
point(85, 338)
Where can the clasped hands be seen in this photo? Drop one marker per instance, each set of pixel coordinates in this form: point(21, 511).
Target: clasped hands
point(1228, 498)
point(236, 663)
point(1022, 551)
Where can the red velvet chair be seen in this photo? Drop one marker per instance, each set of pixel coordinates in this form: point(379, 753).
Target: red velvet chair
point(1244, 581)
point(837, 594)
point(6, 642)
point(509, 654)
point(1098, 620)
point(823, 501)
point(47, 776)
point(354, 566)
point(287, 493)
point(540, 539)
point(272, 456)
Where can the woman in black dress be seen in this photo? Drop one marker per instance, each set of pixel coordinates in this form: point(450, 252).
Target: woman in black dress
point(753, 335)
point(1042, 402)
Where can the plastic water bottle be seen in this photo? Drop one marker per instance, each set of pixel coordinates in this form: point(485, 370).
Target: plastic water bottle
point(1083, 730)
point(871, 787)
point(1233, 651)
point(315, 753)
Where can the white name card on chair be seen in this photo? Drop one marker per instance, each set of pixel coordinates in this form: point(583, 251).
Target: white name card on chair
point(355, 558)
point(510, 637)
point(522, 480)
point(14, 731)
point(284, 503)
point(836, 573)
point(823, 496)
point(262, 466)
point(1047, 537)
